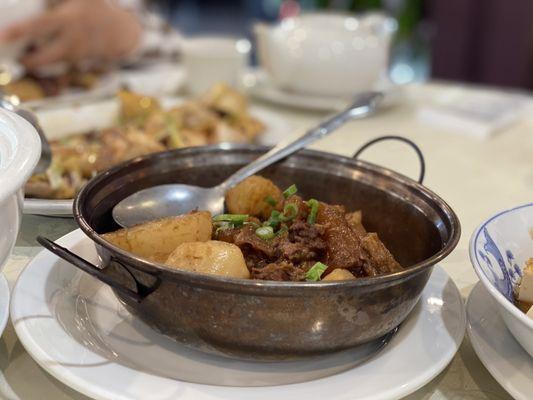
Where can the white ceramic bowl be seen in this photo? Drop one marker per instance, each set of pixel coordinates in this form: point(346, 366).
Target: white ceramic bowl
point(326, 54)
point(20, 149)
point(499, 249)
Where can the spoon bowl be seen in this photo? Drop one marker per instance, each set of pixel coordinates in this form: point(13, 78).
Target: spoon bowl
point(164, 200)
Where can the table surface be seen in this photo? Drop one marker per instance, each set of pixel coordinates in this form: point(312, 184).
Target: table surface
point(476, 177)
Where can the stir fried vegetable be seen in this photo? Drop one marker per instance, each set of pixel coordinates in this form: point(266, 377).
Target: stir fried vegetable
point(143, 127)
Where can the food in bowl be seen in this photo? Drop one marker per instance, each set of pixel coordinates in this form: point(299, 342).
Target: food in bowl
point(219, 115)
point(524, 295)
point(267, 234)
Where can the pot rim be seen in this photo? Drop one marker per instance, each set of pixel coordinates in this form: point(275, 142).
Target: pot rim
point(238, 283)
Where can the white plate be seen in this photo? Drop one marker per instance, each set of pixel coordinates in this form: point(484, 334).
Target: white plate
point(4, 303)
point(496, 347)
point(74, 327)
point(61, 122)
point(158, 78)
point(260, 86)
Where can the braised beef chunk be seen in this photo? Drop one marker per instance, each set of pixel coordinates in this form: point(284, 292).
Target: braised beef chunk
point(254, 259)
point(311, 234)
point(247, 238)
point(279, 271)
point(343, 243)
point(355, 220)
point(304, 242)
point(377, 256)
point(226, 235)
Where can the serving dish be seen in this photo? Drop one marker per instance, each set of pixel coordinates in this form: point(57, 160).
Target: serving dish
point(20, 149)
point(498, 247)
point(322, 54)
point(496, 347)
point(269, 320)
point(85, 337)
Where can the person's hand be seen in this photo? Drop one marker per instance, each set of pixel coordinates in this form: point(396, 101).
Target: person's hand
point(76, 31)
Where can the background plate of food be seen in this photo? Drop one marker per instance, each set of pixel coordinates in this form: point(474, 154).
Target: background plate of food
point(57, 88)
point(89, 138)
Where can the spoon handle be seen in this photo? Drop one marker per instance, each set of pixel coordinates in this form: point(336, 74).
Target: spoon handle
point(364, 105)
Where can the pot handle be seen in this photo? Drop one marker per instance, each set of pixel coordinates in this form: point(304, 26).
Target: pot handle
point(412, 144)
point(91, 269)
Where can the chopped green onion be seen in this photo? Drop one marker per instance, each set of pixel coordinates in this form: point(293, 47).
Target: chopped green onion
point(235, 219)
point(315, 272)
point(293, 209)
point(265, 232)
point(231, 217)
point(290, 191)
point(313, 204)
point(273, 220)
point(271, 201)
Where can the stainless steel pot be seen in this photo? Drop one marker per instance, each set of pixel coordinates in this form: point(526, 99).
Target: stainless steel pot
point(272, 320)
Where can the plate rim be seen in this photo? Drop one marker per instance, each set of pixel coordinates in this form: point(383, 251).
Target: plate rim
point(86, 387)
point(479, 291)
point(265, 90)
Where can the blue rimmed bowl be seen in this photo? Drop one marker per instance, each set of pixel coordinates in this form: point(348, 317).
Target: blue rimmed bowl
point(499, 248)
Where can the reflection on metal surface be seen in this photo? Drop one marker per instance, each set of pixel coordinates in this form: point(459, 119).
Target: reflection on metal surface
point(435, 301)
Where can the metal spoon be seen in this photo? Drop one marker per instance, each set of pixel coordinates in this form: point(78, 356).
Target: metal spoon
point(174, 199)
point(46, 154)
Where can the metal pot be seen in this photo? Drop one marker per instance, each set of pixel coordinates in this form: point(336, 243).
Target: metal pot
point(272, 320)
